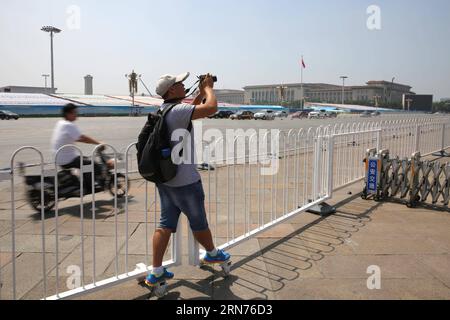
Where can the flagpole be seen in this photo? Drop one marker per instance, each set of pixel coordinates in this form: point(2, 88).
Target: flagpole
point(302, 100)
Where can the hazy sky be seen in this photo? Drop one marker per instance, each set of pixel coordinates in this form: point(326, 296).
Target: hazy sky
point(243, 42)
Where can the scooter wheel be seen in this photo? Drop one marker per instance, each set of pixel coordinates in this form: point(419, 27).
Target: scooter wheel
point(121, 186)
point(34, 199)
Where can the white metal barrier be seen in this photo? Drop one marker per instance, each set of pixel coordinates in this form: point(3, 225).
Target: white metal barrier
point(241, 203)
point(9, 289)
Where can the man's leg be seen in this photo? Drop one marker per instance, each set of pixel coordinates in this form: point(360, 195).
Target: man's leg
point(75, 164)
point(205, 239)
point(192, 203)
point(161, 239)
point(167, 224)
point(87, 176)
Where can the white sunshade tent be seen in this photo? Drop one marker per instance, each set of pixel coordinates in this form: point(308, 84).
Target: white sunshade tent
point(94, 100)
point(30, 99)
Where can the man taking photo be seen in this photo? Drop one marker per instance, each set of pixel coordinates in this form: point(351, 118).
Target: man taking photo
point(184, 193)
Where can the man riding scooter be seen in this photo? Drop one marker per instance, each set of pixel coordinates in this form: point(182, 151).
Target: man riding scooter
point(68, 184)
point(66, 132)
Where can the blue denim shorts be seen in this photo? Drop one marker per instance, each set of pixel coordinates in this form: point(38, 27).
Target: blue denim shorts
point(188, 199)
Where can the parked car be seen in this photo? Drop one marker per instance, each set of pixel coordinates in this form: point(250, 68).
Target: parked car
point(242, 115)
point(375, 114)
point(322, 114)
point(301, 114)
point(5, 114)
point(366, 114)
point(264, 115)
point(281, 114)
point(331, 114)
point(315, 115)
point(223, 114)
point(318, 114)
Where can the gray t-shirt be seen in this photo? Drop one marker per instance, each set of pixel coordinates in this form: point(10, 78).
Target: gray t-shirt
point(180, 118)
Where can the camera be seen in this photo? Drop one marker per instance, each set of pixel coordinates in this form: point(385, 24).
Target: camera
point(202, 77)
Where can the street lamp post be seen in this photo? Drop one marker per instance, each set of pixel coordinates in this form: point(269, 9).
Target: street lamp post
point(408, 101)
point(376, 102)
point(343, 87)
point(46, 76)
point(392, 88)
point(51, 30)
point(304, 102)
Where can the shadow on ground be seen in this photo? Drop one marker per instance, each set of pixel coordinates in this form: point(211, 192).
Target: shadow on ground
point(104, 209)
point(281, 261)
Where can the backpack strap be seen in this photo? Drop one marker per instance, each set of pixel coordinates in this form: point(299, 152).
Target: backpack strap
point(165, 111)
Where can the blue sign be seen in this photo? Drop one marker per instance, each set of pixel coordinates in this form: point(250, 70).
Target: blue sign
point(372, 176)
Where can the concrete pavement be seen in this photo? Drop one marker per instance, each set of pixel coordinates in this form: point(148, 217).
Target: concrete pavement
point(310, 257)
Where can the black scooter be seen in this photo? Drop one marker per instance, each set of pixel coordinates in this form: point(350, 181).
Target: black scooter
point(69, 185)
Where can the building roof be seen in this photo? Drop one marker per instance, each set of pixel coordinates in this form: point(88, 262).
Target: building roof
point(25, 87)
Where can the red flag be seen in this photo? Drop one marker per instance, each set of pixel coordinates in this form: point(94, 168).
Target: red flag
point(303, 64)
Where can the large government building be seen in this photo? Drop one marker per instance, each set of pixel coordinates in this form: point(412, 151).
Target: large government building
point(384, 91)
point(230, 96)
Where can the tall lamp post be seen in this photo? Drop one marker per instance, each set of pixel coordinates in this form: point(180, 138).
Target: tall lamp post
point(51, 30)
point(343, 87)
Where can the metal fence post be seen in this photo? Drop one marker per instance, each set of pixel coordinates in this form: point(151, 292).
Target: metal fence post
point(330, 165)
point(379, 142)
point(193, 249)
point(317, 168)
point(442, 152)
point(417, 138)
point(177, 242)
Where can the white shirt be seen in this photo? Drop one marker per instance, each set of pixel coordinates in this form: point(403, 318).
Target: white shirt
point(65, 133)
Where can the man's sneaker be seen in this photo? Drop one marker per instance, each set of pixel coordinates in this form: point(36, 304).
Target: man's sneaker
point(221, 257)
point(153, 280)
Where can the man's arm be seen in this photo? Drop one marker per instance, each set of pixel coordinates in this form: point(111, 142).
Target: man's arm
point(209, 106)
point(89, 140)
point(198, 99)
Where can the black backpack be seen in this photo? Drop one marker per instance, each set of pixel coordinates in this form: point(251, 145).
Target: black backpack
point(154, 138)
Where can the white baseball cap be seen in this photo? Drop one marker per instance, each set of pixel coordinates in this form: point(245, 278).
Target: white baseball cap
point(167, 80)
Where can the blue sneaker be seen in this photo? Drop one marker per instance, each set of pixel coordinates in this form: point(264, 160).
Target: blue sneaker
point(153, 280)
point(221, 257)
